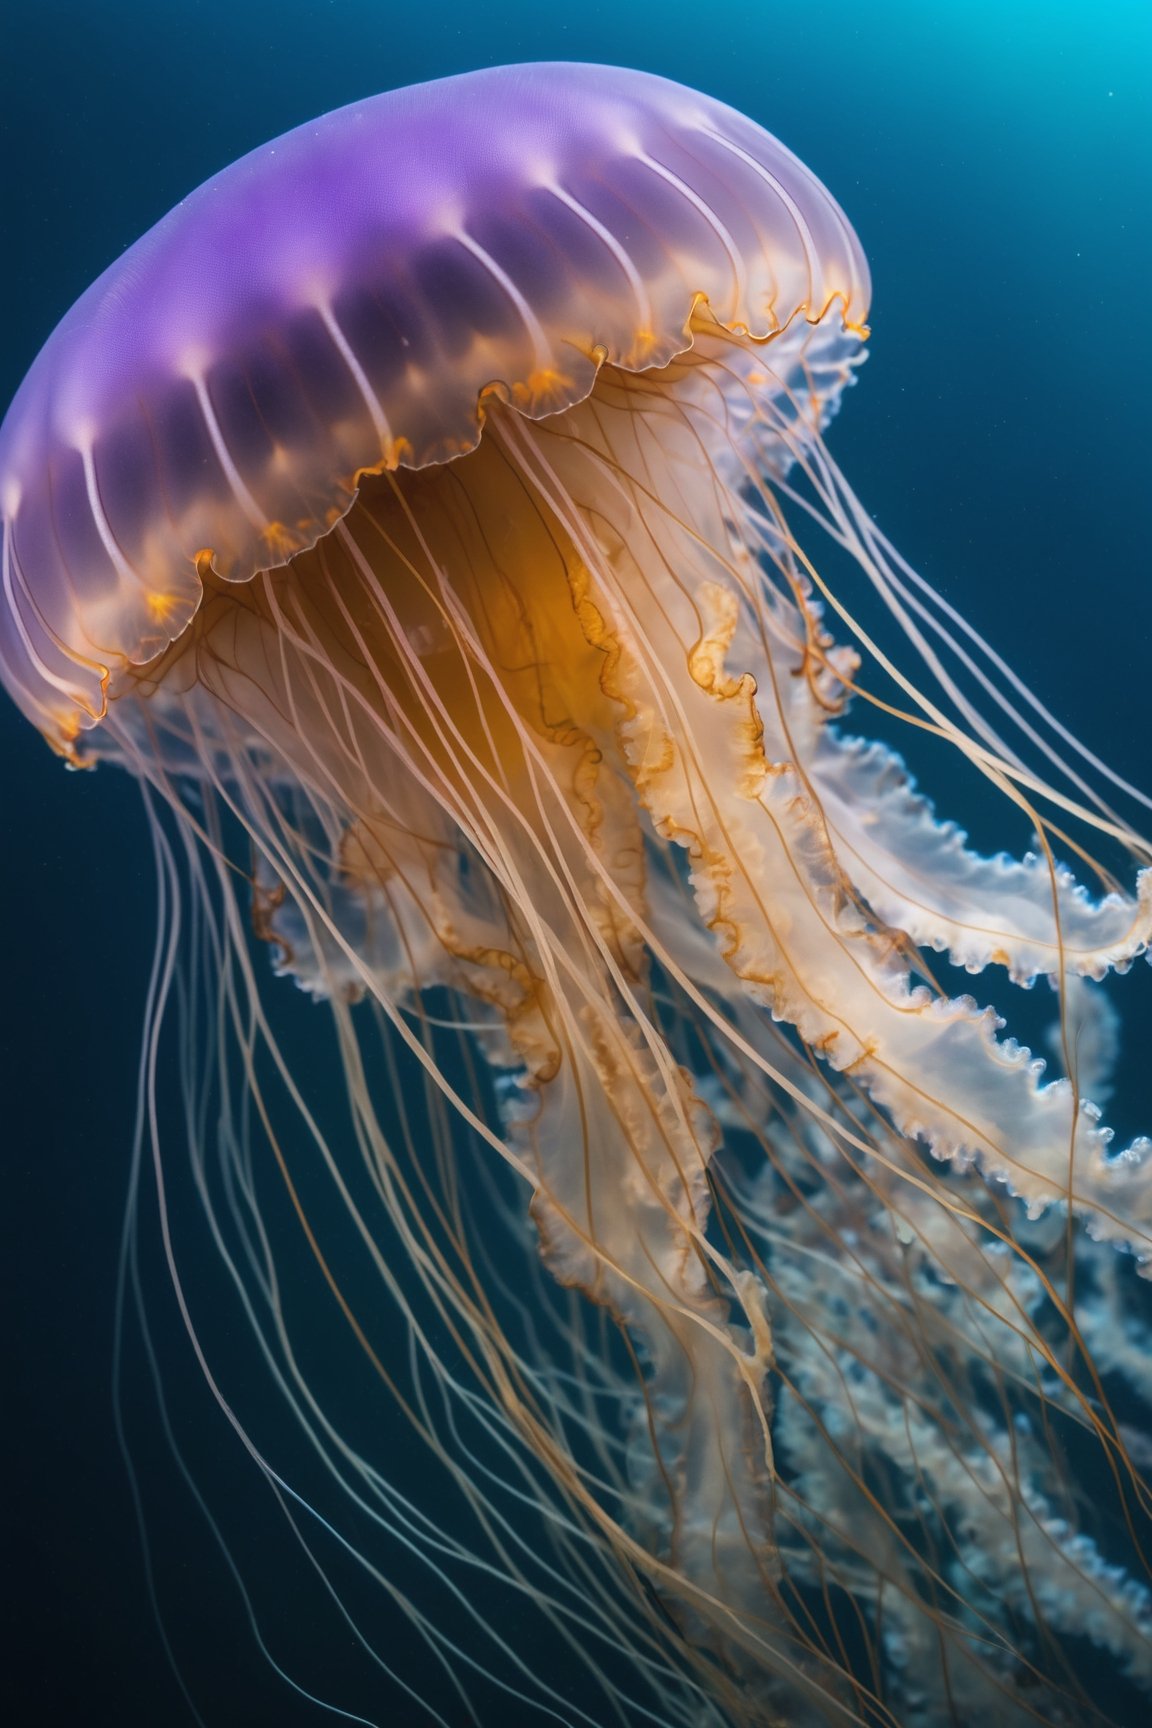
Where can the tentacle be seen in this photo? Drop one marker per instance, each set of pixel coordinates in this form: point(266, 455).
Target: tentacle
point(767, 876)
point(917, 875)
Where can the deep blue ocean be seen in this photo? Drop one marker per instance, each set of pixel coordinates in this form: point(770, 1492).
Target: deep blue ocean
point(996, 161)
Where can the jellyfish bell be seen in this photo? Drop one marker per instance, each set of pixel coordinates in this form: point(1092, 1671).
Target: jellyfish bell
point(427, 512)
point(223, 386)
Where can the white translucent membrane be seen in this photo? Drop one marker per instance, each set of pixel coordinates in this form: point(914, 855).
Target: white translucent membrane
point(556, 729)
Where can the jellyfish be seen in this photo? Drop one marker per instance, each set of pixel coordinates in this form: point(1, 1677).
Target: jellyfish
point(434, 515)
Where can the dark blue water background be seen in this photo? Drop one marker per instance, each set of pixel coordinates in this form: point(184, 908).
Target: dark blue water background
point(996, 160)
